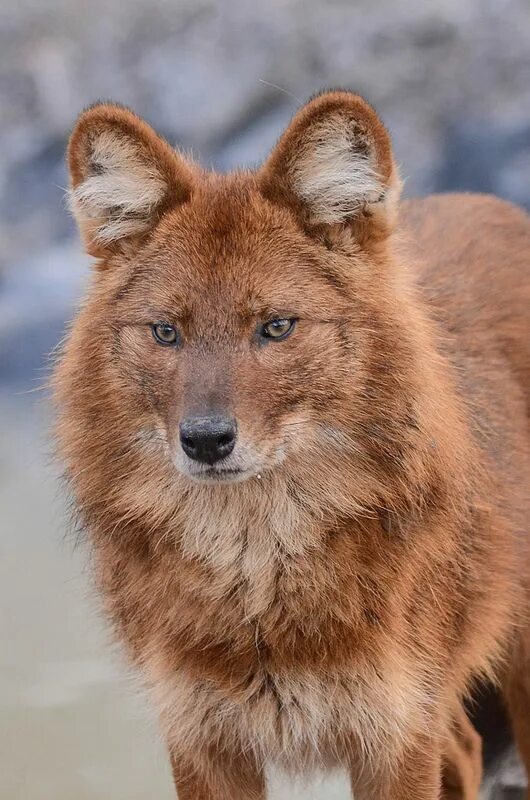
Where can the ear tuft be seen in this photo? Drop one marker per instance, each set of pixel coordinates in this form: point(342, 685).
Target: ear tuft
point(335, 174)
point(123, 175)
point(333, 163)
point(120, 191)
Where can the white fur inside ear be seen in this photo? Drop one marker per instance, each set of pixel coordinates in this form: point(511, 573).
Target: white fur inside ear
point(122, 191)
point(334, 174)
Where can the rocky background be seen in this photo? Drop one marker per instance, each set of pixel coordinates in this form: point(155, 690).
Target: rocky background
point(450, 77)
point(452, 80)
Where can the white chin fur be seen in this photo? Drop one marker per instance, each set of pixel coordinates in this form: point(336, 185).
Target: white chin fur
point(215, 477)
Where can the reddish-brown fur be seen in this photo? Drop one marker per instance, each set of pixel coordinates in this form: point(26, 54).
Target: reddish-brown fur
point(336, 606)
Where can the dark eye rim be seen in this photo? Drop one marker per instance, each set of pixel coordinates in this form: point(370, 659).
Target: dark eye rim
point(173, 342)
point(268, 338)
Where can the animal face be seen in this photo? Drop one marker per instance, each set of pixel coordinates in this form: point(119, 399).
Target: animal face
point(233, 313)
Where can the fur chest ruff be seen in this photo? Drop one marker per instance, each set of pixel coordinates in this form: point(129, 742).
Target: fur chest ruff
point(298, 719)
point(299, 714)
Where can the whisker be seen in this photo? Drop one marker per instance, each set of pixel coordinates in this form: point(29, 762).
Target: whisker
point(280, 89)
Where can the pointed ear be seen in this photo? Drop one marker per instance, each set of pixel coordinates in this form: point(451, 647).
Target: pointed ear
point(334, 166)
point(123, 177)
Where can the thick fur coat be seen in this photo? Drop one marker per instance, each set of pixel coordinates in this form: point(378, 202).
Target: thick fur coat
point(328, 593)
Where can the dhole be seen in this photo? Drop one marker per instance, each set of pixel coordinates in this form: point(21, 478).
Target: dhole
point(294, 415)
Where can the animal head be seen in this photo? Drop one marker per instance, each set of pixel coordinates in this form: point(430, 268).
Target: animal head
point(237, 325)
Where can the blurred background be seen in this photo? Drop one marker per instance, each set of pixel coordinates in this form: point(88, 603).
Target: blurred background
point(451, 79)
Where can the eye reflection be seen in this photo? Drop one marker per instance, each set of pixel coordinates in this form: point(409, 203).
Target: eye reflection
point(164, 333)
point(277, 329)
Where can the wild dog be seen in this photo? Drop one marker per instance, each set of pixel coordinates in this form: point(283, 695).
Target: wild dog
point(294, 416)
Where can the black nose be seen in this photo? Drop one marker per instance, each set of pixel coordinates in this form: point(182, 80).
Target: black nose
point(208, 439)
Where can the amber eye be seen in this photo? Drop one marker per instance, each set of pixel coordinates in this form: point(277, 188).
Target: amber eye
point(165, 333)
point(277, 329)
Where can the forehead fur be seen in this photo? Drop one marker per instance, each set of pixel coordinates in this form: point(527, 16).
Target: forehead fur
point(229, 242)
